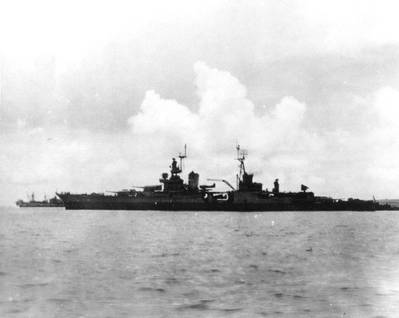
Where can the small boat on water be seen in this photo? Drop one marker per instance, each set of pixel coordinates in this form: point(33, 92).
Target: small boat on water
point(45, 203)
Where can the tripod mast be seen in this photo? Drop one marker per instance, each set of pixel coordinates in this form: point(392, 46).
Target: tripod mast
point(182, 156)
point(241, 153)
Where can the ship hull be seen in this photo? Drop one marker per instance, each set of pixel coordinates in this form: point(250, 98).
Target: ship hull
point(40, 205)
point(198, 203)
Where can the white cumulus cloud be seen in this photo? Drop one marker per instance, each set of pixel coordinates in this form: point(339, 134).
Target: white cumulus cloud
point(226, 116)
point(341, 162)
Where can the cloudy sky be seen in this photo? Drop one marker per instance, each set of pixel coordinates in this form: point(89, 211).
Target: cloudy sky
point(99, 95)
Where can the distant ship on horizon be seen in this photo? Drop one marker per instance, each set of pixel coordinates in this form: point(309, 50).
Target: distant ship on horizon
point(32, 203)
point(172, 194)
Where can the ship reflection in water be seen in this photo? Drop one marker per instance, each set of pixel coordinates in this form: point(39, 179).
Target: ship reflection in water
point(209, 264)
point(174, 194)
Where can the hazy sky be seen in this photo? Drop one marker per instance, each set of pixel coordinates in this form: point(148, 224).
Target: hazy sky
point(99, 95)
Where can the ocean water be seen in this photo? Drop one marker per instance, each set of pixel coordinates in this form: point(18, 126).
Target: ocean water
point(57, 263)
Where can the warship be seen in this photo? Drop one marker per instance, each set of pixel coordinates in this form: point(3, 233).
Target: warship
point(173, 194)
point(46, 203)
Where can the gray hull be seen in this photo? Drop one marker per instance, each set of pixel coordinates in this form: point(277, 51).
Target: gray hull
point(196, 202)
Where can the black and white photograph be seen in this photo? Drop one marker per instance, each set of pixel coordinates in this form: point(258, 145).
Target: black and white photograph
point(199, 158)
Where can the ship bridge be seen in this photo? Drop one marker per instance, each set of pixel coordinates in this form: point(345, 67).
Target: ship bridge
point(175, 183)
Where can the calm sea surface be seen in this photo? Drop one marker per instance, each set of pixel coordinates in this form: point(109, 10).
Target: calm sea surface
point(57, 263)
